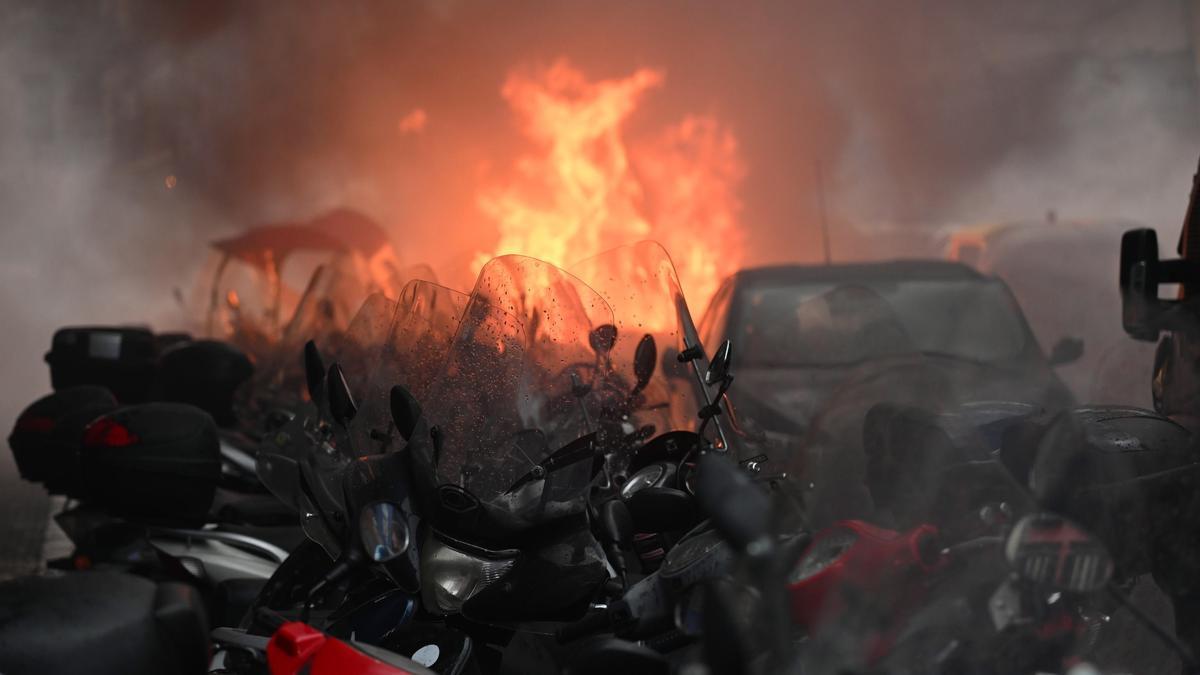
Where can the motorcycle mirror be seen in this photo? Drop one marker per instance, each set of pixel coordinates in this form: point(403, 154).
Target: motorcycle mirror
point(405, 411)
point(718, 368)
point(383, 530)
point(314, 372)
point(1051, 551)
point(617, 523)
point(645, 358)
point(661, 509)
point(341, 402)
point(740, 511)
point(602, 338)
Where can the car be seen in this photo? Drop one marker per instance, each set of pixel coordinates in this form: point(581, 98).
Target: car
point(805, 336)
point(1061, 273)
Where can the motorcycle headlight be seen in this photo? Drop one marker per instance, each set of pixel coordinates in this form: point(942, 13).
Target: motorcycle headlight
point(822, 553)
point(453, 572)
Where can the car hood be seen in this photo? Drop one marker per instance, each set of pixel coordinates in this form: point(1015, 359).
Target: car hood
point(786, 400)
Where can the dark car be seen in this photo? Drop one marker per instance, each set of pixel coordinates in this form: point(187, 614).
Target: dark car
point(806, 335)
point(817, 347)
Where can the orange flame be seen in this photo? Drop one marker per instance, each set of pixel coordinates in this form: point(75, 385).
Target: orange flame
point(589, 190)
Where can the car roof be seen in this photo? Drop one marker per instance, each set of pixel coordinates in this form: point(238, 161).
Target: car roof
point(894, 270)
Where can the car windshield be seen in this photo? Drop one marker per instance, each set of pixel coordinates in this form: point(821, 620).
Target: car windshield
point(831, 324)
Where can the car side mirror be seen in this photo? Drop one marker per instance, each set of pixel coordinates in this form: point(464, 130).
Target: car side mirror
point(314, 372)
point(405, 411)
point(1051, 551)
point(1066, 350)
point(1143, 314)
point(645, 359)
point(341, 402)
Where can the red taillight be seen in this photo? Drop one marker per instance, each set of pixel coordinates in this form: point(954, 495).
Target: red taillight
point(292, 648)
point(109, 433)
point(34, 424)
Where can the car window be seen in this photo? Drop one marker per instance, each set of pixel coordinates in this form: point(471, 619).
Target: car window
point(826, 324)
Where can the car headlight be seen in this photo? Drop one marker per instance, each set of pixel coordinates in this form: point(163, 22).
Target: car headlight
point(452, 572)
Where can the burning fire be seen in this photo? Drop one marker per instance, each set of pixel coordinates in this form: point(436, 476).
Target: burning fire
point(589, 190)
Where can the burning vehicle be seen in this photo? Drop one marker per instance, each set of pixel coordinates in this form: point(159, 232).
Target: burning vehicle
point(252, 284)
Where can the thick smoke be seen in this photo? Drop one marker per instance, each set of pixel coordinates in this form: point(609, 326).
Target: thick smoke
point(919, 115)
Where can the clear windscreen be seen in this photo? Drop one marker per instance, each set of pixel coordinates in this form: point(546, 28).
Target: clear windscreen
point(410, 343)
point(640, 283)
point(329, 303)
point(520, 383)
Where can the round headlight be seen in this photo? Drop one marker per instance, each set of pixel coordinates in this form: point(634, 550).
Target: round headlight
point(645, 477)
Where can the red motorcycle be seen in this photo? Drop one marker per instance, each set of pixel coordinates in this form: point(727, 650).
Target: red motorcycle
point(299, 648)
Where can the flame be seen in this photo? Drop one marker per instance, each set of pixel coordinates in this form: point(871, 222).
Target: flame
point(588, 189)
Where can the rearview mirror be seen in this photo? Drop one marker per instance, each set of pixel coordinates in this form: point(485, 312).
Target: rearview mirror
point(383, 528)
point(602, 338)
point(645, 358)
point(314, 372)
point(718, 368)
point(405, 411)
point(341, 402)
point(1051, 551)
point(1066, 350)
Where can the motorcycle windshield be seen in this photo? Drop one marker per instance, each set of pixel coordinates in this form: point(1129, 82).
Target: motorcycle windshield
point(641, 285)
point(519, 384)
point(406, 346)
point(322, 314)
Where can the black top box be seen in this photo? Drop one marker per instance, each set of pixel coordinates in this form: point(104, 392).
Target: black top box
point(119, 358)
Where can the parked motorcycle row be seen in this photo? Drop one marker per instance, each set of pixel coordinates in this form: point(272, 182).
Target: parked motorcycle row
point(551, 474)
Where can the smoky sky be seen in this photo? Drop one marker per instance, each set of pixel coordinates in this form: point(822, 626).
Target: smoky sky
point(920, 114)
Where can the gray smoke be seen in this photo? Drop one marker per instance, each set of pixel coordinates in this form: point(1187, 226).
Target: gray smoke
point(921, 114)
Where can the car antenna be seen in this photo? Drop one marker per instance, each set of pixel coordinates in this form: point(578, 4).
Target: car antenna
point(824, 219)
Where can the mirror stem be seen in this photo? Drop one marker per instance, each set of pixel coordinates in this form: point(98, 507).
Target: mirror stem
point(703, 389)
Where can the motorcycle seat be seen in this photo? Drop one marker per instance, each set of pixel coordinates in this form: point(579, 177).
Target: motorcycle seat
point(101, 623)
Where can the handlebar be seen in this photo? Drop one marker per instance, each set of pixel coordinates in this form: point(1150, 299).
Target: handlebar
point(611, 618)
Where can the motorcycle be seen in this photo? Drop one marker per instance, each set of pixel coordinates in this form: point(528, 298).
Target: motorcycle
point(534, 501)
